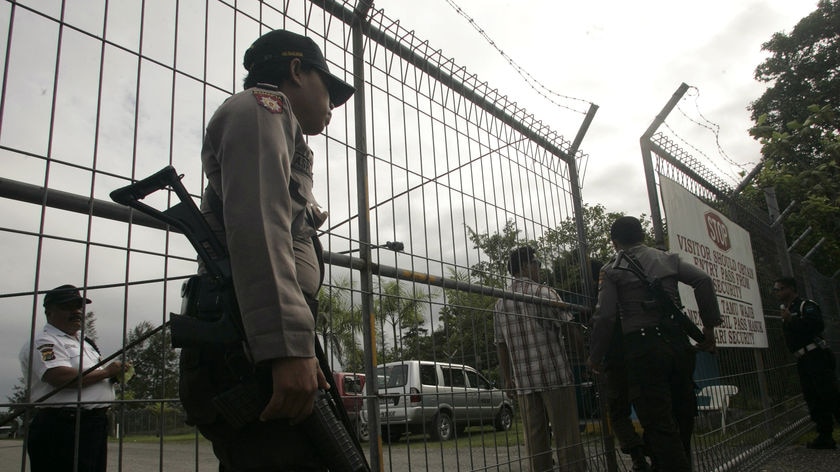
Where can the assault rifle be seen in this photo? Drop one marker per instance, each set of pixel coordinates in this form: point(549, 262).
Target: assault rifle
point(210, 317)
point(669, 307)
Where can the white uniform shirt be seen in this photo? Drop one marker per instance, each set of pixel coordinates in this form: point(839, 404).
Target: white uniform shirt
point(55, 348)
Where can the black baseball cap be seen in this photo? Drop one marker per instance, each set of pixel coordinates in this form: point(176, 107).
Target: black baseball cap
point(63, 294)
point(284, 45)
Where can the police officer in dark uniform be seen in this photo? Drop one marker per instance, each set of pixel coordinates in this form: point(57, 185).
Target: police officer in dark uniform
point(802, 325)
point(659, 358)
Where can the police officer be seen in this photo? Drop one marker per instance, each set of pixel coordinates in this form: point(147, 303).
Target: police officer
point(59, 356)
point(802, 325)
point(259, 197)
point(659, 359)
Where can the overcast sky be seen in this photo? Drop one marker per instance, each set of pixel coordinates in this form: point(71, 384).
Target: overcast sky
point(626, 57)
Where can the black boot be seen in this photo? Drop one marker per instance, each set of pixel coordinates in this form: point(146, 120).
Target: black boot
point(637, 454)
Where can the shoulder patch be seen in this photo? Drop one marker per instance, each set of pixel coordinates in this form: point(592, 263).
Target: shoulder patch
point(47, 353)
point(42, 346)
point(270, 101)
point(302, 162)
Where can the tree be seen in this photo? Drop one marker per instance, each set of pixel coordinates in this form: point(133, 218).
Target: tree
point(338, 326)
point(90, 326)
point(560, 245)
point(400, 308)
point(466, 332)
point(497, 247)
point(155, 363)
point(797, 121)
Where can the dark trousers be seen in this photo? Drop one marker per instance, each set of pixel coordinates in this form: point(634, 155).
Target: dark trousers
point(618, 407)
point(660, 386)
point(256, 447)
point(52, 440)
point(819, 387)
point(272, 446)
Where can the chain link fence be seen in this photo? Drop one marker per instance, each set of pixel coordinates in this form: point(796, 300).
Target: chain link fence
point(768, 410)
point(430, 176)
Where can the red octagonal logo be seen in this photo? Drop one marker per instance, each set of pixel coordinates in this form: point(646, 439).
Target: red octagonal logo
point(717, 231)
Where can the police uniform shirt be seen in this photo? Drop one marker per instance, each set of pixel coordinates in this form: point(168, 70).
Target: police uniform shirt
point(804, 325)
point(55, 348)
point(258, 163)
point(621, 293)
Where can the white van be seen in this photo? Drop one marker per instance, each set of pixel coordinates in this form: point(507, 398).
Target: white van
point(437, 398)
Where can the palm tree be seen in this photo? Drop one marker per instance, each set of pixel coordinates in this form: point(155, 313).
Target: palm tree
point(399, 308)
point(339, 324)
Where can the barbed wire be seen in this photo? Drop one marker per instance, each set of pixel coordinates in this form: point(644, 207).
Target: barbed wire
point(711, 126)
point(698, 151)
point(532, 82)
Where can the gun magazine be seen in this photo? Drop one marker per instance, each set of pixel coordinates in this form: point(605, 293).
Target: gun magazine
point(338, 449)
point(241, 404)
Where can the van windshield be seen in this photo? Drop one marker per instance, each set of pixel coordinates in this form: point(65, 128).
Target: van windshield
point(391, 376)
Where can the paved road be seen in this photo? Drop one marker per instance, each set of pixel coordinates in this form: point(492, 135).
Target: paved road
point(135, 457)
point(182, 456)
point(798, 458)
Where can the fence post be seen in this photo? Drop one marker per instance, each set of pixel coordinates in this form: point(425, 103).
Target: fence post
point(647, 160)
point(778, 232)
point(366, 273)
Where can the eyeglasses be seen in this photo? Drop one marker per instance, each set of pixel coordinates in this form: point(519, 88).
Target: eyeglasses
point(777, 289)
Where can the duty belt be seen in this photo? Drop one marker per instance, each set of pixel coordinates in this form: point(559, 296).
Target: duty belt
point(642, 332)
point(821, 344)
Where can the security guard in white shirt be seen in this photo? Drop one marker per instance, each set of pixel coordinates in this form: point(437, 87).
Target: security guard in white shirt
point(60, 354)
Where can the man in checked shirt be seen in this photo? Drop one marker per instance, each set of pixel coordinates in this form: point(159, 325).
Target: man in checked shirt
point(533, 361)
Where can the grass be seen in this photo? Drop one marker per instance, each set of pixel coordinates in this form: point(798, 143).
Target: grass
point(185, 437)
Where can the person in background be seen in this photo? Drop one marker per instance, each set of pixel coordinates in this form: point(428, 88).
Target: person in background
point(533, 362)
point(259, 200)
point(802, 325)
point(659, 358)
point(59, 356)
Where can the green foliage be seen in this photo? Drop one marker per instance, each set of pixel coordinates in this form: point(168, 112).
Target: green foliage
point(400, 309)
point(497, 247)
point(467, 328)
point(339, 326)
point(155, 365)
point(797, 121)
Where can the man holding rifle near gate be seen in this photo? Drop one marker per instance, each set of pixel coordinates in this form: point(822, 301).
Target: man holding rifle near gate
point(259, 199)
point(640, 287)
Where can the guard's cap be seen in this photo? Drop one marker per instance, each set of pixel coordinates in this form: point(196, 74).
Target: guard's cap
point(282, 44)
point(63, 294)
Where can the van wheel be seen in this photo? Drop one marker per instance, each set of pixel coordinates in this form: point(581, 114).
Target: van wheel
point(443, 429)
point(362, 431)
point(504, 419)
